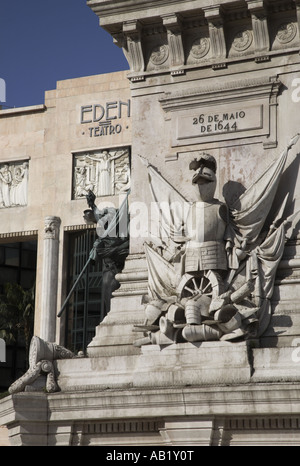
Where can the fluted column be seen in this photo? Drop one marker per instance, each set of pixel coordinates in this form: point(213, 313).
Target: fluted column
point(260, 28)
point(173, 25)
point(50, 278)
point(214, 17)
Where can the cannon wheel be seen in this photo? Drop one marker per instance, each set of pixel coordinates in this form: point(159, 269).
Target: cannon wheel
point(208, 283)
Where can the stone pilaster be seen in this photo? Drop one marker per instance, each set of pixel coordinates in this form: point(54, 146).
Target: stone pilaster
point(217, 35)
point(134, 55)
point(50, 278)
point(173, 26)
point(260, 27)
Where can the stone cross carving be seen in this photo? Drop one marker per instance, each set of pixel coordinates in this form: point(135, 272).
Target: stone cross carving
point(212, 266)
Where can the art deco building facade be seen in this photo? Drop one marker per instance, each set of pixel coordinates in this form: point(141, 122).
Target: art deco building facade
point(51, 156)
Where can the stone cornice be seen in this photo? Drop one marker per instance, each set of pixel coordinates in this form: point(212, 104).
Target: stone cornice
point(21, 110)
point(162, 36)
point(225, 91)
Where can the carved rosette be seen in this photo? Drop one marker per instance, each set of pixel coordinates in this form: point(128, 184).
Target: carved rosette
point(286, 33)
point(200, 47)
point(159, 54)
point(242, 40)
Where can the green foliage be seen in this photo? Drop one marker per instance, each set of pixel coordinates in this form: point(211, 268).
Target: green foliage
point(16, 314)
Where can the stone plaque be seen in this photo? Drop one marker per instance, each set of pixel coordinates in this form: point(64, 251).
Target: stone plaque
point(220, 120)
point(224, 113)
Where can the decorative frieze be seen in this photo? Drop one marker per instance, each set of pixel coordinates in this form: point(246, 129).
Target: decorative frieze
point(214, 35)
point(17, 235)
point(105, 172)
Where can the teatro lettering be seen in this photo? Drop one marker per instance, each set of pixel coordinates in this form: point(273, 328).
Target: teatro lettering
point(219, 122)
point(105, 117)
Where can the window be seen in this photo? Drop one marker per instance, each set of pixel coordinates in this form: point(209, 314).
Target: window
point(86, 307)
point(18, 263)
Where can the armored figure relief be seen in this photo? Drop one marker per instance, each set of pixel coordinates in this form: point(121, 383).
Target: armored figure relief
point(212, 277)
point(206, 222)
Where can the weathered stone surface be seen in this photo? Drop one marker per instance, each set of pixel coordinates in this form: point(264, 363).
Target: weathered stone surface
point(190, 67)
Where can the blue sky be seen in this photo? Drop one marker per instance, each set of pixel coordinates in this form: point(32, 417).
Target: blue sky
point(42, 42)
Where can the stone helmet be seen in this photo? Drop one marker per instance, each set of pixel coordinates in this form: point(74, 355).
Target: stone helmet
point(206, 167)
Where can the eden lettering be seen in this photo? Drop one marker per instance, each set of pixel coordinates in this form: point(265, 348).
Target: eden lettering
point(110, 111)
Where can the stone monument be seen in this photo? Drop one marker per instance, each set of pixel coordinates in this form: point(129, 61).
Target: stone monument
point(215, 274)
point(200, 344)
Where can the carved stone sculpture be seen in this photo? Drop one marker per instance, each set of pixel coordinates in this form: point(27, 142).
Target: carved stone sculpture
point(103, 172)
point(112, 243)
point(13, 184)
point(42, 354)
point(212, 266)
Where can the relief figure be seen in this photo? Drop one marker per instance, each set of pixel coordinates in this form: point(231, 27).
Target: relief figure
point(211, 265)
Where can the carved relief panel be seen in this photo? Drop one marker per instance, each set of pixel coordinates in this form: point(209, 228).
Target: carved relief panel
point(105, 172)
point(13, 184)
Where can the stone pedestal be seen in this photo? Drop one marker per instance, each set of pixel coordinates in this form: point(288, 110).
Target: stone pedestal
point(183, 364)
point(115, 336)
